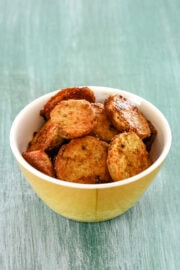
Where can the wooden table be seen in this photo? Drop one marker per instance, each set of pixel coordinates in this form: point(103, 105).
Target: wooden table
point(47, 45)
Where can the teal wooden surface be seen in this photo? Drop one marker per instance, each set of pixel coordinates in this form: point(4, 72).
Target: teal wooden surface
point(47, 45)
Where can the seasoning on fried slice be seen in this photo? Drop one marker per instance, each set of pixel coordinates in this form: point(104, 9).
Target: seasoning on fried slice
point(83, 160)
point(127, 156)
point(65, 94)
point(40, 160)
point(47, 138)
point(103, 127)
point(125, 116)
point(74, 117)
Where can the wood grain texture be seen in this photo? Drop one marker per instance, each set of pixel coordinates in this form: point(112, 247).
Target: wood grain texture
point(46, 45)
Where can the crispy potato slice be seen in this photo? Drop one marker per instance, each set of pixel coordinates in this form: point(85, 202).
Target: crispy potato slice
point(83, 160)
point(103, 127)
point(65, 94)
point(125, 116)
point(127, 156)
point(47, 138)
point(149, 140)
point(74, 117)
point(40, 160)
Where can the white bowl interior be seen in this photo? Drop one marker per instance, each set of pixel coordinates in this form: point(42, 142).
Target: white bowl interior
point(28, 121)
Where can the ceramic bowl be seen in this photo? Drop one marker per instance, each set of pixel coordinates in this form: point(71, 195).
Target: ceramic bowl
point(89, 202)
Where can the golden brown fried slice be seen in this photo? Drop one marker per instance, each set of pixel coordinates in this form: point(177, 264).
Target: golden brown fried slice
point(40, 160)
point(103, 127)
point(65, 94)
point(125, 116)
point(83, 160)
point(127, 156)
point(47, 138)
point(74, 117)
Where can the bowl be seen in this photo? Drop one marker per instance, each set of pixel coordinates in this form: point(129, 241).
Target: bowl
point(89, 202)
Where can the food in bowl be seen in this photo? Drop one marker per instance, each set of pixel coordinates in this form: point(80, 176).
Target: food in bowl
point(88, 202)
point(85, 141)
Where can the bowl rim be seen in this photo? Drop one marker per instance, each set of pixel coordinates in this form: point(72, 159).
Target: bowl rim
point(19, 158)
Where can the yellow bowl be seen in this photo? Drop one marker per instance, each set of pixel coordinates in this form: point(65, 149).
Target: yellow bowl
point(89, 202)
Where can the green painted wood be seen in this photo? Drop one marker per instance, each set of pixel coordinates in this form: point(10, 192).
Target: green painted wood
point(46, 45)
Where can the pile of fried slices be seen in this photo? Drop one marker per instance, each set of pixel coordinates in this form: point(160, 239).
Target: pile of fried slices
point(87, 142)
